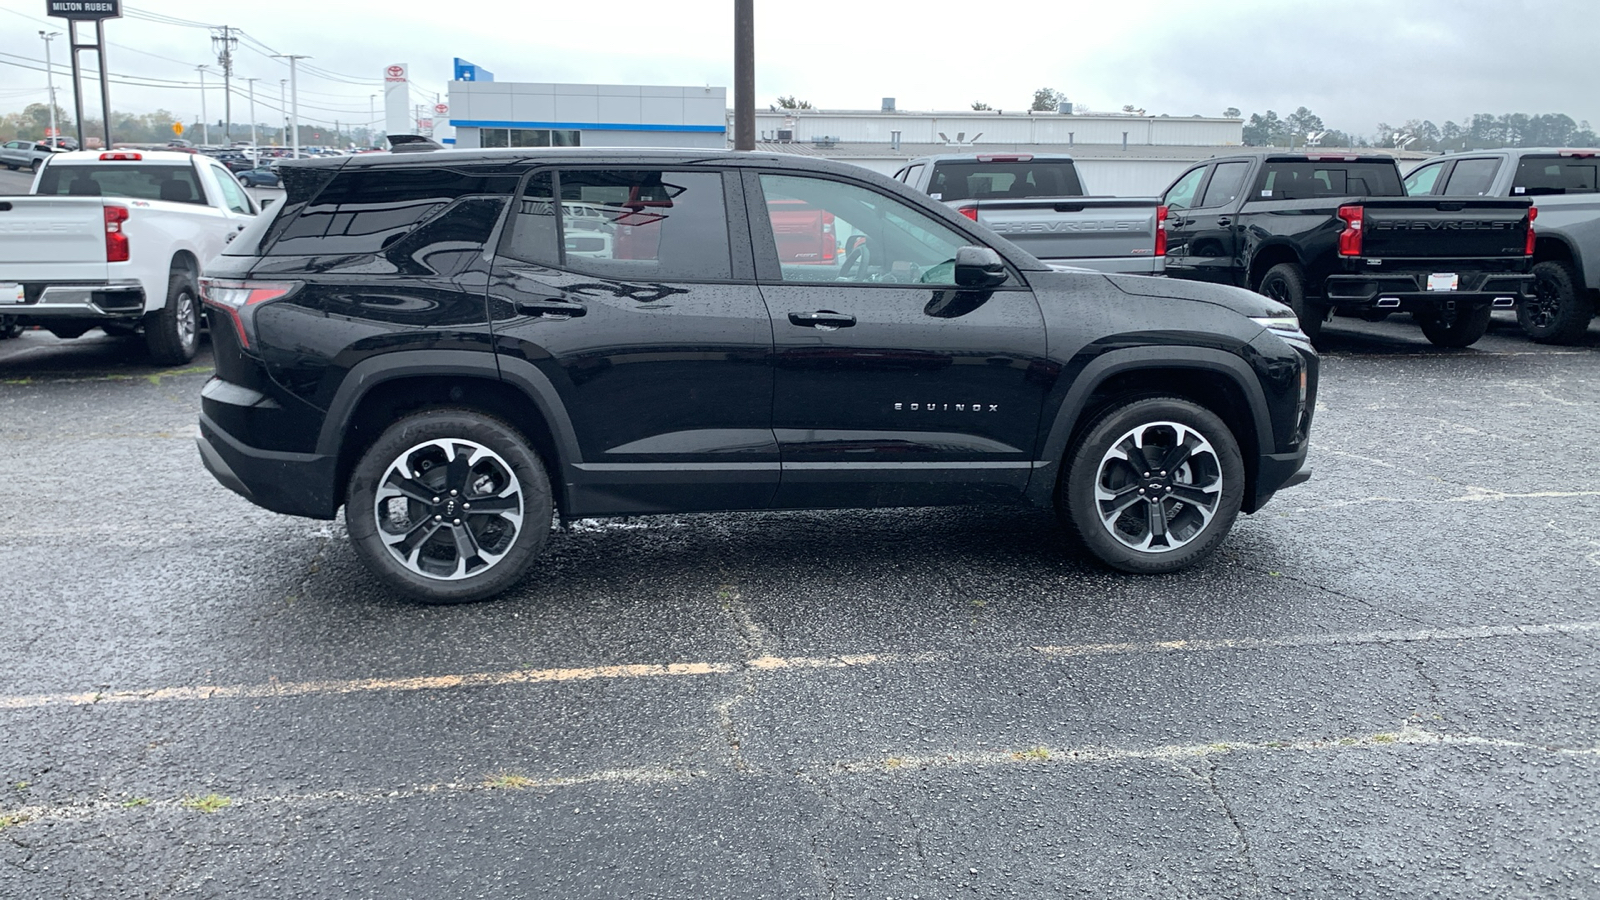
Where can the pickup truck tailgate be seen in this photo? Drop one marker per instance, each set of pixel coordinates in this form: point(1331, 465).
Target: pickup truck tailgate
point(1424, 228)
point(52, 239)
point(1069, 228)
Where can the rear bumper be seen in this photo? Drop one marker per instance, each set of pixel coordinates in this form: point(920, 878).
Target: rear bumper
point(295, 484)
point(104, 300)
point(1408, 291)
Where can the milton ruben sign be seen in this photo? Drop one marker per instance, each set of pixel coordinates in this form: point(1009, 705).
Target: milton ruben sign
point(85, 9)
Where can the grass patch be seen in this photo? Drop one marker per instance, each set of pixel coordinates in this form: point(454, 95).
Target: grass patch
point(1383, 739)
point(18, 819)
point(210, 803)
point(135, 801)
point(508, 781)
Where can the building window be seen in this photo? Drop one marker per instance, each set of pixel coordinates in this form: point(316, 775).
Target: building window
point(528, 137)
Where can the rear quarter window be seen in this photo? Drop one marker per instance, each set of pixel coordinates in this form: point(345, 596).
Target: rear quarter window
point(367, 210)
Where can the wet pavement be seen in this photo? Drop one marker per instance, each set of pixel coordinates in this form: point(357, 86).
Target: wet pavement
point(1384, 685)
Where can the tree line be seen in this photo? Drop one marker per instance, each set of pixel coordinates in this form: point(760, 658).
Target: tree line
point(1484, 130)
point(156, 128)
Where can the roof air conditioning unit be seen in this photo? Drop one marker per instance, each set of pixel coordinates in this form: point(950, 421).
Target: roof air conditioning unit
point(785, 135)
point(888, 104)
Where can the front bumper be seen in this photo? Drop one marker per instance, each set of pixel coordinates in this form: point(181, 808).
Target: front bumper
point(1276, 471)
point(107, 300)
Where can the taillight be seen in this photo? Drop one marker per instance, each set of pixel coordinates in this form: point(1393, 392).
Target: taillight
point(1161, 231)
point(970, 212)
point(1527, 248)
point(240, 300)
point(116, 241)
point(829, 246)
point(1350, 237)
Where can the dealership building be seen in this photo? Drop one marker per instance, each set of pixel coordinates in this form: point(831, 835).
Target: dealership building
point(511, 114)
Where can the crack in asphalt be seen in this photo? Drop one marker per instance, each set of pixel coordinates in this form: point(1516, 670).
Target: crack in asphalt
point(754, 640)
point(1208, 777)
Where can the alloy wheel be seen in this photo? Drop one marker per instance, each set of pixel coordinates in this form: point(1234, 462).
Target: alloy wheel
point(448, 509)
point(1158, 487)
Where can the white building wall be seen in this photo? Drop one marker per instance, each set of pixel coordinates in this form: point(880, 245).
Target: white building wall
point(661, 116)
point(1046, 128)
point(1129, 177)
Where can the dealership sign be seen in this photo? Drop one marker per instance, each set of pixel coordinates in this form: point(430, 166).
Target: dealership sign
point(84, 9)
point(395, 73)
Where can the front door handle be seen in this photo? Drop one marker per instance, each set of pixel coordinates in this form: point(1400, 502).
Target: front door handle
point(550, 306)
point(1224, 221)
point(822, 318)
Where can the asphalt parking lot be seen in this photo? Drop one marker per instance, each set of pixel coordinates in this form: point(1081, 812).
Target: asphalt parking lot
point(1386, 685)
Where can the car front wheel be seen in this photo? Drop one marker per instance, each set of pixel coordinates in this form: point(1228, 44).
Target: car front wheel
point(449, 506)
point(1153, 486)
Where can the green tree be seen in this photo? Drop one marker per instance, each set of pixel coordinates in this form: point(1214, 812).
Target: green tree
point(980, 107)
point(1047, 100)
point(790, 102)
point(1264, 130)
point(1231, 112)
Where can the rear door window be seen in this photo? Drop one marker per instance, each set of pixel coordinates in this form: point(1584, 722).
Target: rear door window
point(1471, 177)
point(1542, 175)
point(1227, 182)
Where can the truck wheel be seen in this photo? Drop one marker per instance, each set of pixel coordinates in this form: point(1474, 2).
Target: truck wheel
point(172, 333)
point(1286, 284)
point(35, 167)
point(448, 506)
point(1560, 308)
point(1153, 486)
point(1454, 327)
point(10, 327)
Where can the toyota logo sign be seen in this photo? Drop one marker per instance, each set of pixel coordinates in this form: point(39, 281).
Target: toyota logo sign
point(394, 73)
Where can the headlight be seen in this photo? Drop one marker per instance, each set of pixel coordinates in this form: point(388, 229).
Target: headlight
point(1288, 326)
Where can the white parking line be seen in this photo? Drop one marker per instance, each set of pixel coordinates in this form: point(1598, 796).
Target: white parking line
point(277, 689)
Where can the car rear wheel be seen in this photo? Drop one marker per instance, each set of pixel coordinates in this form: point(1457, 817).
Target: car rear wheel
point(1153, 486)
point(1286, 284)
point(172, 333)
point(1560, 308)
point(34, 168)
point(448, 506)
point(1455, 327)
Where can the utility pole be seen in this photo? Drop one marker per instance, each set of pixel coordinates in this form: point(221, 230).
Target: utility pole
point(744, 75)
point(255, 148)
point(205, 121)
point(372, 116)
point(283, 112)
point(50, 82)
point(225, 43)
point(294, 96)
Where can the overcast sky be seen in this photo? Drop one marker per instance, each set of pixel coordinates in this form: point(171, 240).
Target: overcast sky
point(1353, 62)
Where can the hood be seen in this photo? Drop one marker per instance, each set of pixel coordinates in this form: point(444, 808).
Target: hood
point(1241, 301)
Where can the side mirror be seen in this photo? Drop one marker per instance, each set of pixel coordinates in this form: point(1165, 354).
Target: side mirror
point(979, 267)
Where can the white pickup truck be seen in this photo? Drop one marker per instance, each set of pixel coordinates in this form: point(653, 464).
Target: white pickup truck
point(117, 240)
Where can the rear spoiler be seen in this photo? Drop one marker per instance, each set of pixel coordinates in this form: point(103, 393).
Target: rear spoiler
point(412, 143)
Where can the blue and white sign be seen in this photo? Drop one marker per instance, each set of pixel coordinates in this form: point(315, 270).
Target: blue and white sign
point(466, 71)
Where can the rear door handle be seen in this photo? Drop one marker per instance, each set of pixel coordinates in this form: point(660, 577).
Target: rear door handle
point(822, 318)
point(551, 306)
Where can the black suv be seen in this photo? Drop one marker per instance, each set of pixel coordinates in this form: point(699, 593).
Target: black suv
point(454, 344)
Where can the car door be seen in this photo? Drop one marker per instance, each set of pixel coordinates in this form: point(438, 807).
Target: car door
point(631, 300)
point(892, 386)
point(1179, 199)
point(11, 153)
point(1209, 227)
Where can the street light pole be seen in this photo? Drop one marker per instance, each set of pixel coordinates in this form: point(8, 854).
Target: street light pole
point(294, 96)
point(50, 82)
point(283, 112)
point(372, 116)
point(205, 121)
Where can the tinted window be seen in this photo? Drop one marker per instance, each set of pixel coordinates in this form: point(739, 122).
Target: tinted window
point(832, 231)
point(643, 225)
point(1538, 175)
point(1471, 177)
point(368, 209)
point(138, 181)
point(1002, 180)
point(1227, 181)
point(1306, 180)
point(1422, 182)
point(1182, 193)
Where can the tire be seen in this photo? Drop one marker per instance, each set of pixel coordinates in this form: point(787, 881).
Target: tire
point(1286, 284)
point(172, 333)
point(387, 511)
point(1197, 501)
point(35, 167)
point(1454, 327)
point(1560, 308)
point(10, 327)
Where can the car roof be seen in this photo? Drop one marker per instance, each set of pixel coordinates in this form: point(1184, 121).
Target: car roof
point(630, 156)
point(82, 157)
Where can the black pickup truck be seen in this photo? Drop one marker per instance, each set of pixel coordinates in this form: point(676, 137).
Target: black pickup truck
point(449, 343)
point(1330, 234)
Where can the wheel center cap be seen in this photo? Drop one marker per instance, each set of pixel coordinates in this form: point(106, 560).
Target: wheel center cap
point(450, 507)
point(1156, 486)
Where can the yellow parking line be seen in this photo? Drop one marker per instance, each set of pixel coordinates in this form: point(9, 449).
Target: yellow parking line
point(279, 689)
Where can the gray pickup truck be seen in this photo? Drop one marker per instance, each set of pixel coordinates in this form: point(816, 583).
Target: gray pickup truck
point(1562, 183)
point(1038, 202)
point(25, 154)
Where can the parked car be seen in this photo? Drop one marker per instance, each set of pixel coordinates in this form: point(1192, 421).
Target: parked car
point(409, 337)
point(260, 176)
point(25, 154)
point(116, 240)
point(1039, 203)
point(1566, 253)
point(1335, 233)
